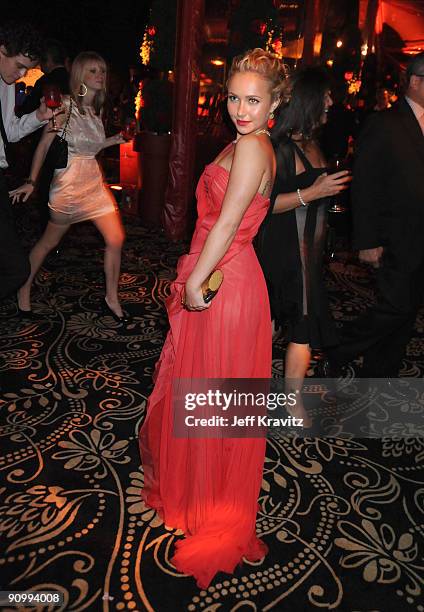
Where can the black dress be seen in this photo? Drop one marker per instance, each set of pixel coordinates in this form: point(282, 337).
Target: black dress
point(291, 248)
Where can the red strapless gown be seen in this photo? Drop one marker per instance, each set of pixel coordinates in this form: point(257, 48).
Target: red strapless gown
point(209, 487)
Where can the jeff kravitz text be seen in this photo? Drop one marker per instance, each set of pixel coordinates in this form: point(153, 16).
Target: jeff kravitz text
point(247, 421)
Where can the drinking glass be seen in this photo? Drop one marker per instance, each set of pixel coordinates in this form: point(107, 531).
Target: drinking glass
point(52, 99)
point(129, 129)
point(336, 165)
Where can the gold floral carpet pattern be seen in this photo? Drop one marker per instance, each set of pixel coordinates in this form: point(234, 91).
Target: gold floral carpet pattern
point(343, 518)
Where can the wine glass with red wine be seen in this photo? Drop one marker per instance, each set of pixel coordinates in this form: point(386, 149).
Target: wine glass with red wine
point(52, 99)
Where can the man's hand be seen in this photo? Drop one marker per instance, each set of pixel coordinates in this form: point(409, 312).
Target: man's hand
point(45, 114)
point(371, 256)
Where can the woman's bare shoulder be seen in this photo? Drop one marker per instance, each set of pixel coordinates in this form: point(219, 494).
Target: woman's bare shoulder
point(254, 147)
point(250, 144)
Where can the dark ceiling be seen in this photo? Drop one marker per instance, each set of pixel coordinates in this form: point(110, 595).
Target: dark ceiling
point(114, 28)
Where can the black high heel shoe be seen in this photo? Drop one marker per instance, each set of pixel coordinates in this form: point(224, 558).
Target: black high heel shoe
point(108, 311)
point(24, 314)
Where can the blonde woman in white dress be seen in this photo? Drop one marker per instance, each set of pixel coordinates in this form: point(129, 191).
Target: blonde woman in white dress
point(77, 192)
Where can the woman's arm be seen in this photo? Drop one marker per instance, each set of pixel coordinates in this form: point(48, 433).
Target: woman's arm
point(246, 174)
point(40, 153)
point(324, 186)
point(116, 139)
point(26, 190)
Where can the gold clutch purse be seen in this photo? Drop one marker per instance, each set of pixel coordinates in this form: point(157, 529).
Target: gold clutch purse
point(211, 285)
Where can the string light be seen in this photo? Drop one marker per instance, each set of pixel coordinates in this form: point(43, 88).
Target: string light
point(139, 100)
point(139, 103)
point(146, 48)
point(274, 45)
point(353, 86)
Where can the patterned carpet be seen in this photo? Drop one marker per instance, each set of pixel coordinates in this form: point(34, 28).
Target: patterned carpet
point(343, 518)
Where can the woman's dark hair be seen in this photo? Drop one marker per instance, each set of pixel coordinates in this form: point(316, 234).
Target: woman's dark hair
point(21, 39)
point(303, 112)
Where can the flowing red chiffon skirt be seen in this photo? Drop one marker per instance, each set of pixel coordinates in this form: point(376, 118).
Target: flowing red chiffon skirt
point(209, 487)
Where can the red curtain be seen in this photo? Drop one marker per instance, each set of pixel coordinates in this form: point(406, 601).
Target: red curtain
point(180, 189)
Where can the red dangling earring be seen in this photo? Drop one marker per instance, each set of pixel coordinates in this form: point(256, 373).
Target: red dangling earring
point(271, 121)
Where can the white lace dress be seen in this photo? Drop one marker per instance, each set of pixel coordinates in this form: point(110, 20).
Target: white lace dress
point(78, 192)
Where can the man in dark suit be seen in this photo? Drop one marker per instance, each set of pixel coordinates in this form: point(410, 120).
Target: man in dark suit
point(388, 230)
point(52, 63)
point(20, 48)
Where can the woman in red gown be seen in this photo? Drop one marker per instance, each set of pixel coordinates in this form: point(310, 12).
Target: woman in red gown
point(209, 487)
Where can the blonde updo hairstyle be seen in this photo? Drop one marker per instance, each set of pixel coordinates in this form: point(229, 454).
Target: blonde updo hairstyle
point(76, 80)
point(266, 65)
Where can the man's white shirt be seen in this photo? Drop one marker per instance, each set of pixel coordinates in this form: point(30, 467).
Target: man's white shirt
point(15, 127)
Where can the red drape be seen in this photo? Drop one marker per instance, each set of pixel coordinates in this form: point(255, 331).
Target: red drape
point(180, 187)
point(311, 28)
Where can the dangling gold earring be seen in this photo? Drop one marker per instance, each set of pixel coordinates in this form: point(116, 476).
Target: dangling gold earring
point(271, 120)
point(82, 90)
point(271, 115)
